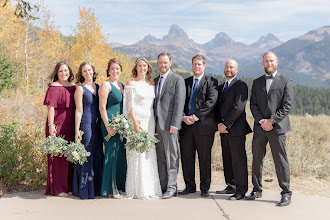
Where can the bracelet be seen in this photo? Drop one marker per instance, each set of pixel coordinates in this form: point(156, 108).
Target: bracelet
point(51, 124)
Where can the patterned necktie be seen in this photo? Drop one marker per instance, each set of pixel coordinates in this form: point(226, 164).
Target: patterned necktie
point(193, 98)
point(224, 91)
point(158, 93)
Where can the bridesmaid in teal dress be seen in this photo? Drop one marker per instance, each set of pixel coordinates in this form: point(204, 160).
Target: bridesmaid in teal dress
point(111, 104)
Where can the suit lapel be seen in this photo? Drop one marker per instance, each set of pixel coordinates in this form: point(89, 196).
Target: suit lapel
point(201, 84)
point(229, 87)
point(156, 84)
point(264, 85)
point(189, 87)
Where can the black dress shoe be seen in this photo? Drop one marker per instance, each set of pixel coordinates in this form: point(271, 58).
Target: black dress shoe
point(228, 190)
point(169, 194)
point(186, 191)
point(205, 193)
point(253, 195)
point(285, 200)
point(236, 196)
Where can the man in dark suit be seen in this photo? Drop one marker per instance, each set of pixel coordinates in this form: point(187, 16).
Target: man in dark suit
point(199, 127)
point(271, 100)
point(233, 127)
point(168, 109)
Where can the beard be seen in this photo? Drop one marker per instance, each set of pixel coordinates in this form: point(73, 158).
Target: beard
point(270, 70)
point(229, 74)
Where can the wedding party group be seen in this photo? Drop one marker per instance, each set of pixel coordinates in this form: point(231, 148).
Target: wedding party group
point(183, 114)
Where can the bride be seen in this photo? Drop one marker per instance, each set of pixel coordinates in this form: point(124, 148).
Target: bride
point(142, 180)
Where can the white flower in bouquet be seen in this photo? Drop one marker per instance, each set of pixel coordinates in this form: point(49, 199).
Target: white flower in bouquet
point(75, 155)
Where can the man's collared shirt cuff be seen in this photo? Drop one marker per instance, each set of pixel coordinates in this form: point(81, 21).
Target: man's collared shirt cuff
point(195, 117)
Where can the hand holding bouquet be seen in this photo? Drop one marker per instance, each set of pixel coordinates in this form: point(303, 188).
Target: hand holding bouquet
point(121, 125)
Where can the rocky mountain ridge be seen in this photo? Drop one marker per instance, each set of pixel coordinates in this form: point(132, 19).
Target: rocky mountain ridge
point(306, 55)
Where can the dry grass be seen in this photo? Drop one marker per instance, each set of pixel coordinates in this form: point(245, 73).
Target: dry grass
point(308, 150)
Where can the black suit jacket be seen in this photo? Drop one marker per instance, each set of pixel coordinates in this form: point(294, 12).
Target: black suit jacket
point(276, 104)
point(231, 110)
point(206, 99)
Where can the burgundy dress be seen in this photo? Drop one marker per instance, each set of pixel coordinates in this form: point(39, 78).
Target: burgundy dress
point(60, 171)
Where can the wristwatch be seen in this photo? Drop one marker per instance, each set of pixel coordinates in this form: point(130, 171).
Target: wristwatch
point(272, 120)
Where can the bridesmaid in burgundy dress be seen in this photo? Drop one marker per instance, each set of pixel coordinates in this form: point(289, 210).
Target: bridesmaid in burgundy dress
point(60, 121)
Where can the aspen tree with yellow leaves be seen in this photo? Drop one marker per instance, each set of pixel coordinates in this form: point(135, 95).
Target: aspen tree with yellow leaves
point(89, 44)
point(51, 47)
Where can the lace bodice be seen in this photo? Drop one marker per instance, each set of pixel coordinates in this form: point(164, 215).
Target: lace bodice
point(140, 98)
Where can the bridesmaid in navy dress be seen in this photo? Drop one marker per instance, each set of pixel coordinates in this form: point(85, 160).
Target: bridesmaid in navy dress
point(87, 178)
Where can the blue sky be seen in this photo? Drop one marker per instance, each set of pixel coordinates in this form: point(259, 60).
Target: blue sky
point(128, 21)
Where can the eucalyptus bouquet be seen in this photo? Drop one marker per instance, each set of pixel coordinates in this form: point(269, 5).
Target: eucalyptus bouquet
point(121, 125)
point(140, 141)
point(76, 153)
point(53, 145)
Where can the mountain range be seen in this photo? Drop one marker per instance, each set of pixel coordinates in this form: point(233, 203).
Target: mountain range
point(305, 56)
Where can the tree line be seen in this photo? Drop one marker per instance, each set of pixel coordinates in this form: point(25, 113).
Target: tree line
point(307, 100)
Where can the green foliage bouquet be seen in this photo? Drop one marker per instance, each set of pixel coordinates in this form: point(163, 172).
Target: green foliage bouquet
point(58, 146)
point(121, 125)
point(140, 141)
point(53, 145)
point(76, 153)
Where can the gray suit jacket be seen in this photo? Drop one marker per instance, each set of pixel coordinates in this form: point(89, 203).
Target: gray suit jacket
point(276, 104)
point(171, 101)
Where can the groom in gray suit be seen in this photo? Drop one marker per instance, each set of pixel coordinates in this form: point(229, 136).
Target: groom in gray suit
point(168, 107)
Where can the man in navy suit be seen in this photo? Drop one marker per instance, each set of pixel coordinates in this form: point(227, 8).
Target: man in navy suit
point(199, 126)
point(233, 128)
point(271, 100)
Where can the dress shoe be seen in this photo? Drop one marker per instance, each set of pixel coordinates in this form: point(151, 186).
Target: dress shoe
point(227, 190)
point(236, 196)
point(205, 193)
point(253, 195)
point(285, 200)
point(186, 191)
point(169, 194)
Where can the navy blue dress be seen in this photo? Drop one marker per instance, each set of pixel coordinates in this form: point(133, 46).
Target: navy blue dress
point(87, 178)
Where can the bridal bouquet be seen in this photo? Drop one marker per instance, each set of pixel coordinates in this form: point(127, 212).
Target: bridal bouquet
point(76, 153)
point(121, 125)
point(140, 141)
point(53, 145)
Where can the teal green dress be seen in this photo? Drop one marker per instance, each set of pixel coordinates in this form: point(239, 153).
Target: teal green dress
point(114, 163)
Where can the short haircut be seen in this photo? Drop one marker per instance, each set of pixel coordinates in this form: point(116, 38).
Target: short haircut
point(164, 54)
point(201, 57)
point(269, 52)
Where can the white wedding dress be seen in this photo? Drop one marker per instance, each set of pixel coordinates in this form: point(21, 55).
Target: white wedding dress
point(142, 180)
